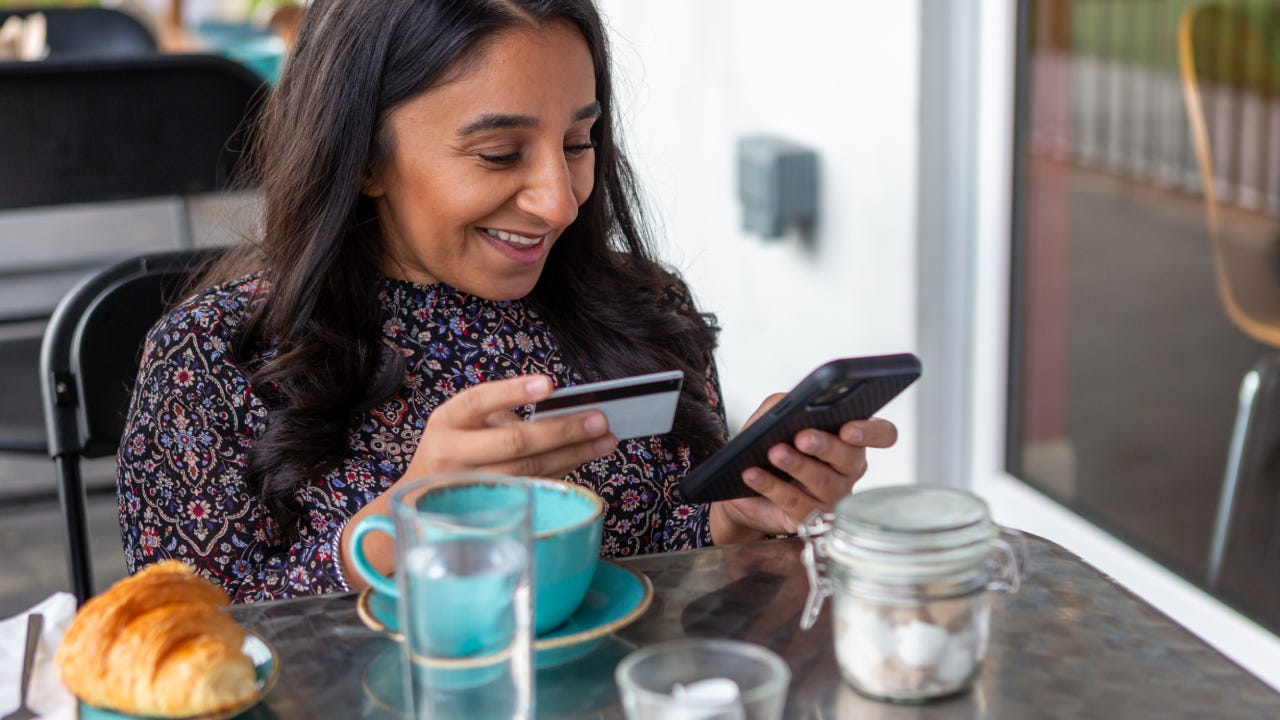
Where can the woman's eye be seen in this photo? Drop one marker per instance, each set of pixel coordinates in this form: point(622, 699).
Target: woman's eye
point(507, 159)
point(580, 149)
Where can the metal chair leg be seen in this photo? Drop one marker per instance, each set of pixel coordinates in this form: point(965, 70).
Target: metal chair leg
point(74, 514)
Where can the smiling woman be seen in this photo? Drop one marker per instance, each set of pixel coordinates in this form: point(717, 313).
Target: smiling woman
point(450, 233)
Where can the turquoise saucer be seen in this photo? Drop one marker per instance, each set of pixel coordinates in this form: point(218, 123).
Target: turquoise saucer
point(265, 662)
point(617, 596)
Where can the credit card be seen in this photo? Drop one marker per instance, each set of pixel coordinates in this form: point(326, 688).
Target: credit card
point(635, 406)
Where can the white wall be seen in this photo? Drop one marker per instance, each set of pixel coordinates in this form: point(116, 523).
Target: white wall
point(842, 78)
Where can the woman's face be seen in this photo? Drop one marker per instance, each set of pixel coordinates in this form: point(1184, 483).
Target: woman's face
point(486, 171)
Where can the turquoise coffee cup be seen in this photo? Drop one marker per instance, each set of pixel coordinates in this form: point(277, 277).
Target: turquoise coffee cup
point(567, 524)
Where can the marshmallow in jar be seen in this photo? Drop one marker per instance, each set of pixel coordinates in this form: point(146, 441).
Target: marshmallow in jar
point(908, 569)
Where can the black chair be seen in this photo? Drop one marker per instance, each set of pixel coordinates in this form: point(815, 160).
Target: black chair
point(88, 365)
point(125, 128)
point(90, 31)
point(1244, 555)
point(77, 131)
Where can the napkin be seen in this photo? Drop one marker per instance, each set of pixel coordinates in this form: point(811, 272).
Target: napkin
point(47, 695)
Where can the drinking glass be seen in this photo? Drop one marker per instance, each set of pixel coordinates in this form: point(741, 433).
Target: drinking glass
point(463, 548)
point(703, 680)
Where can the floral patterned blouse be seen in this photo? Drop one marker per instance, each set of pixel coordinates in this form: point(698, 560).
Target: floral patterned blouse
point(194, 417)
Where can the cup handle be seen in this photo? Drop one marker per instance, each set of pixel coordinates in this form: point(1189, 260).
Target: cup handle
point(374, 523)
point(1013, 564)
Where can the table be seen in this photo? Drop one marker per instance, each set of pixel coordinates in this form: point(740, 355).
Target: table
point(1071, 644)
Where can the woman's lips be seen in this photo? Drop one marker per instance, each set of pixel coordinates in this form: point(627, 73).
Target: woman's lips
point(516, 246)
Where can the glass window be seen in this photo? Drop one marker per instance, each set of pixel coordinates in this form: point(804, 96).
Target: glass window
point(1142, 303)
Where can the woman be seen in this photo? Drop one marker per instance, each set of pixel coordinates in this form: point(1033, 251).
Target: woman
point(450, 232)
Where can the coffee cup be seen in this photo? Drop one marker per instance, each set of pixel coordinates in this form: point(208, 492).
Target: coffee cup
point(566, 526)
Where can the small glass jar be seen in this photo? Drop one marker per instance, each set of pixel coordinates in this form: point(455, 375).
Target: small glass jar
point(908, 569)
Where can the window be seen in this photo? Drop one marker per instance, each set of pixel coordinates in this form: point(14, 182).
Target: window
point(1127, 357)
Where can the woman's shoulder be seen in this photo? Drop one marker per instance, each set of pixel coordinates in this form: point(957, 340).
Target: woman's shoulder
point(219, 310)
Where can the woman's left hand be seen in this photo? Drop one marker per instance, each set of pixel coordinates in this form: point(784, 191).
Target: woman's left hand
point(825, 467)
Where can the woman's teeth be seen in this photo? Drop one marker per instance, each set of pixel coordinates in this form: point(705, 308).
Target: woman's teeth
point(515, 239)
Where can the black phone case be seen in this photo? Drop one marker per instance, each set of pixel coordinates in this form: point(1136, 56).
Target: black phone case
point(872, 382)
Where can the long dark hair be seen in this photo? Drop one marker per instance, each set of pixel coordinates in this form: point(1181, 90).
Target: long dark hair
point(323, 134)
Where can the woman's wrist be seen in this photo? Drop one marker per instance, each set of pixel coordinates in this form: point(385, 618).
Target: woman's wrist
point(725, 530)
point(377, 548)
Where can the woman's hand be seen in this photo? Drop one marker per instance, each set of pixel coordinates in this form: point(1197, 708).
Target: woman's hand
point(476, 430)
point(825, 467)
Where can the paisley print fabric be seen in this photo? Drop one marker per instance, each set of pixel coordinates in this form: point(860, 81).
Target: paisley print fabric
point(195, 416)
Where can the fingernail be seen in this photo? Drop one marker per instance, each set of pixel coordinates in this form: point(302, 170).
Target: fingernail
point(537, 385)
point(852, 435)
point(752, 478)
point(595, 424)
point(604, 446)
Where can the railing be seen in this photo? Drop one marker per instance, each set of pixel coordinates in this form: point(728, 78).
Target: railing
point(1107, 93)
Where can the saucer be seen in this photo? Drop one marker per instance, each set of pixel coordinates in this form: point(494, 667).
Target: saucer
point(266, 663)
point(617, 596)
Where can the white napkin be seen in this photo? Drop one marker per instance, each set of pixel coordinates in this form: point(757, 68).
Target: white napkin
point(47, 695)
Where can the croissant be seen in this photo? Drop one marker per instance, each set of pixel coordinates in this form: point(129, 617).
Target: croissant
point(158, 644)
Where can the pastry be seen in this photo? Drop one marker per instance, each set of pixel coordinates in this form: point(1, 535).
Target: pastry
point(158, 644)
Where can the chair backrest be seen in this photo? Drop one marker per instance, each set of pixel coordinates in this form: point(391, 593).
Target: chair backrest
point(90, 31)
point(1220, 55)
point(78, 131)
point(88, 365)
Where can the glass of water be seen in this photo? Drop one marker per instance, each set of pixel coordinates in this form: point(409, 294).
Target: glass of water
point(464, 575)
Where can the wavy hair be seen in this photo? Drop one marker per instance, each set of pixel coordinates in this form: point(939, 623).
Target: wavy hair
point(323, 132)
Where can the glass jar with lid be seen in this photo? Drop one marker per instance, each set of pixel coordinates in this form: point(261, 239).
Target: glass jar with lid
point(909, 570)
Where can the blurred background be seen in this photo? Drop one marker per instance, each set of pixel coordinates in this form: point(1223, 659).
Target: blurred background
point(1067, 208)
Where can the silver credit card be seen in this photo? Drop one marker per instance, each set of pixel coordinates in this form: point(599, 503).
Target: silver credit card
point(635, 406)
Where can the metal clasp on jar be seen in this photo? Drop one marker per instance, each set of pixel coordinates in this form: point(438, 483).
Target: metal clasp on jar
point(814, 557)
point(1008, 567)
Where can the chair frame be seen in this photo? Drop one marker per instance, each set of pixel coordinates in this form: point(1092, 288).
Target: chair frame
point(72, 419)
point(1263, 332)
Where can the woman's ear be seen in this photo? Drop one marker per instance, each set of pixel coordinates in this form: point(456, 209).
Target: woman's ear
point(372, 186)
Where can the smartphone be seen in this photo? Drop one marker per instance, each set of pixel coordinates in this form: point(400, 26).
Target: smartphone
point(837, 392)
point(635, 406)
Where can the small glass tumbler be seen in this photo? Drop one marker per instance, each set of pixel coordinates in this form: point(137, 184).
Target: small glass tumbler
point(463, 547)
point(703, 680)
point(909, 570)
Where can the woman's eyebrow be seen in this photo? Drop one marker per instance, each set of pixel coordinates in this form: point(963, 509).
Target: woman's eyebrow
point(588, 111)
point(500, 121)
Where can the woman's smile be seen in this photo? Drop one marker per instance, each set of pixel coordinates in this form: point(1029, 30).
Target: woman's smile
point(519, 247)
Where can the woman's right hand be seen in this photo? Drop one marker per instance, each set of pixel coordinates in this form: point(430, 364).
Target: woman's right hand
point(476, 430)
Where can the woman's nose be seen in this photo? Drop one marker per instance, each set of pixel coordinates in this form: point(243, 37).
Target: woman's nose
point(549, 195)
